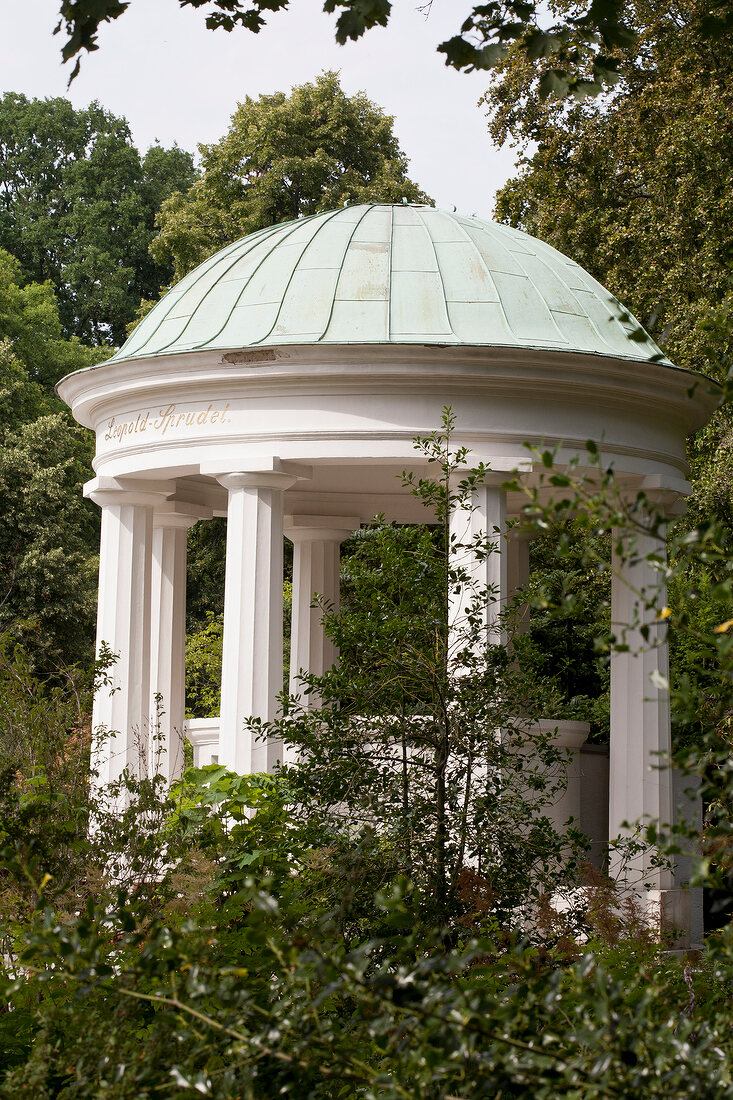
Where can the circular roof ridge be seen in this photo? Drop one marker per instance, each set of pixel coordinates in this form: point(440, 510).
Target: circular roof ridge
point(389, 273)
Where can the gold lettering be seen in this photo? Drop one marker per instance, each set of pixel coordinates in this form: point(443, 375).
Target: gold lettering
point(161, 422)
point(168, 419)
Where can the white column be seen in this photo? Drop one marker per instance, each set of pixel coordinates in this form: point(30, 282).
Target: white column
point(121, 706)
point(168, 635)
point(252, 662)
point(478, 550)
point(517, 565)
point(316, 570)
point(640, 783)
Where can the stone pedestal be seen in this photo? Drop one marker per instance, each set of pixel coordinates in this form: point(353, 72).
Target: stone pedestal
point(566, 775)
point(203, 733)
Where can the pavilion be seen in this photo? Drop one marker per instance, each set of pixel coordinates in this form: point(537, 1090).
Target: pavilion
point(281, 384)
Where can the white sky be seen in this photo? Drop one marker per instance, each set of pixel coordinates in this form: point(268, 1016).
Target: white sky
point(173, 80)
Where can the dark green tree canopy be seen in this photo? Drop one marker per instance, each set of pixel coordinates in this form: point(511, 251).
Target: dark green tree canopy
point(31, 327)
point(77, 206)
point(638, 189)
point(49, 534)
point(283, 157)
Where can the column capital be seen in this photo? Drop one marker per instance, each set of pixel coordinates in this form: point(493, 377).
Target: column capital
point(492, 479)
point(257, 467)
point(319, 528)
point(498, 470)
point(179, 513)
point(667, 494)
point(257, 479)
point(110, 491)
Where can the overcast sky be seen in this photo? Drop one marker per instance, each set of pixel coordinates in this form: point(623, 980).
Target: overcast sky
point(175, 81)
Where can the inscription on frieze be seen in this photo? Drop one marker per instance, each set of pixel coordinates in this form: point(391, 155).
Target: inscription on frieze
point(165, 421)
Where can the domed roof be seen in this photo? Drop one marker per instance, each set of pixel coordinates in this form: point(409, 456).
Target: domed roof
point(389, 274)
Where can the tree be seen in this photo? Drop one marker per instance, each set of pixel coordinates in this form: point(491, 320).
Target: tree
point(49, 534)
point(580, 39)
point(48, 541)
point(638, 188)
point(77, 207)
point(404, 743)
point(283, 157)
point(30, 323)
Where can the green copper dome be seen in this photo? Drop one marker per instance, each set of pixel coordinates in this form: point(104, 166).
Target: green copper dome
point(384, 274)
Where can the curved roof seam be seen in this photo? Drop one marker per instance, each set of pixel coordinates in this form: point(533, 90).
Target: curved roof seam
point(277, 232)
point(327, 218)
point(488, 271)
point(261, 235)
point(558, 275)
point(440, 274)
point(340, 272)
point(390, 253)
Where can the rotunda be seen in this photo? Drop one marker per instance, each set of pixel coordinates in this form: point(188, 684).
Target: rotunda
point(281, 384)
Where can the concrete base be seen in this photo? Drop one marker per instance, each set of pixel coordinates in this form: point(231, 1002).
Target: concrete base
point(203, 733)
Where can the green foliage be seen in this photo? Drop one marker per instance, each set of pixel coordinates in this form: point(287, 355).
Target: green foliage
point(49, 537)
point(21, 399)
point(579, 41)
point(566, 643)
point(44, 745)
point(48, 542)
point(203, 669)
point(78, 207)
point(251, 936)
point(30, 324)
point(284, 157)
point(637, 188)
point(398, 1016)
point(206, 566)
point(391, 593)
